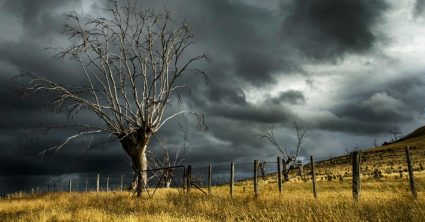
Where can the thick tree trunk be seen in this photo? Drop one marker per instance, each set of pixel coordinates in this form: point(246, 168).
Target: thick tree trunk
point(168, 177)
point(136, 146)
point(141, 163)
point(168, 183)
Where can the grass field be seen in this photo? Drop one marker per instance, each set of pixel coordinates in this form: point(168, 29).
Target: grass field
point(387, 199)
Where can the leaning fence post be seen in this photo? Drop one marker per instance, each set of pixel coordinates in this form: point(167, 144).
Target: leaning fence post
point(410, 169)
point(313, 176)
point(97, 183)
point(70, 186)
point(209, 178)
point(279, 174)
point(189, 178)
point(122, 179)
point(107, 184)
point(232, 177)
point(356, 174)
point(255, 178)
point(87, 183)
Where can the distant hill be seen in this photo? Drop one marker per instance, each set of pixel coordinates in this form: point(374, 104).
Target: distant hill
point(388, 158)
point(413, 139)
point(419, 132)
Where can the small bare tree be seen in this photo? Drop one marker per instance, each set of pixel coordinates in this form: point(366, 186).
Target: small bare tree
point(289, 160)
point(396, 133)
point(167, 158)
point(133, 62)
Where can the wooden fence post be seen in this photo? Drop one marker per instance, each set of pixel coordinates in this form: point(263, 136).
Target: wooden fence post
point(122, 180)
point(70, 186)
point(356, 174)
point(97, 183)
point(410, 169)
point(232, 177)
point(87, 184)
point(107, 184)
point(189, 178)
point(313, 176)
point(279, 174)
point(209, 178)
point(54, 187)
point(76, 185)
point(255, 178)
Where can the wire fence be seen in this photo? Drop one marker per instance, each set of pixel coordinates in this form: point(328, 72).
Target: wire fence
point(389, 167)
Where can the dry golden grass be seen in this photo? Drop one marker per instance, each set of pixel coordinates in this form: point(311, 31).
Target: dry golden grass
point(387, 199)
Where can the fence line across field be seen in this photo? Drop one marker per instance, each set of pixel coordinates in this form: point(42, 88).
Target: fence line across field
point(190, 178)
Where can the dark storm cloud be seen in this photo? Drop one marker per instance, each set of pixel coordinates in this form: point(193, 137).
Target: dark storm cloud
point(410, 90)
point(379, 107)
point(328, 29)
point(267, 112)
point(25, 159)
point(29, 55)
point(419, 7)
point(218, 93)
point(242, 37)
point(293, 97)
point(256, 67)
point(41, 23)
point(376, 110)
point(40, 18)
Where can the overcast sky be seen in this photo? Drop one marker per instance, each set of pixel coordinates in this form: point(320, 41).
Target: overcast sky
point(349, 71)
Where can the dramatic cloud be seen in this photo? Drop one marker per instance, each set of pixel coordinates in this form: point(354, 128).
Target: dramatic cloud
point(328, 29)
point(347, 70)
point(294, 97)
point(419, 7)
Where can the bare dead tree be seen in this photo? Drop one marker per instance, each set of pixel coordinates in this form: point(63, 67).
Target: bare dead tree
point(289, 160)
point(133, 62)
point(396, 133)
point(167, 157)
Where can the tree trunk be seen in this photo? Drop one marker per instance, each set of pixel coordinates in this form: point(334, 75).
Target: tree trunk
point(168, 177)
point(168, 183)
point(136, 146)
point(133, 184)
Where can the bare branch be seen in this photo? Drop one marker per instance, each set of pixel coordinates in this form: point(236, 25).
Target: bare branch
point(267, 133)
point(133, 62)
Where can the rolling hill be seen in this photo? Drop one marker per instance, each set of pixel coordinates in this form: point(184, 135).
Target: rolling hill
point(387, 159)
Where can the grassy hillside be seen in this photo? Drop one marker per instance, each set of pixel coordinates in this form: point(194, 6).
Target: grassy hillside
point(388, 160)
